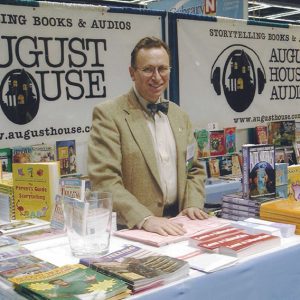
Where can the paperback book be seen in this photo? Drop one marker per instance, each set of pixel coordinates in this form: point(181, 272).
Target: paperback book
point(258, 171)
point(35, 186)
point(217, 143)
point(230, 139)
point(294, 182)
point(42, 153)
point(139, 268)
point(281, 133)
point(21, 226)
point(202, 138)
point(66, 155)
point(70, 281)
point(261, 134)
point(6, 159)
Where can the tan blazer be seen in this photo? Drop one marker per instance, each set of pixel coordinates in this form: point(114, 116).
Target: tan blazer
point(121, 159)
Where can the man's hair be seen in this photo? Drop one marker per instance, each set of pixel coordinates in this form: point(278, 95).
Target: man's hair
point(148, 43)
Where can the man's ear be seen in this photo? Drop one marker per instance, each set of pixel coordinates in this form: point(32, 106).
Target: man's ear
point(132, 73)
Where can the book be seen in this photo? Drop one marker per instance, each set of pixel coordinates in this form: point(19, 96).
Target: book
point(23, 265)
point(261, 134)
point(294, 182)
point(21, 154)
point(6, 159)
point(211, 262)
point(72, 281)
point(57, 220)
point(138, 267)
point(230, 139)
point(286, 230)
point(35, 186)
point(281, 133)
point(214, 167)
point(251, 212)
point(21, 226)
point(7, 240)
point(217, 143)
point(11, 251)
point(282, 191)
point(237, 198)
point(7, 204)
point(202, 138)
point(228, 207)
point(192, 227)
point(66, 155)
point(258, 171)
point(225, 165)
point(74, 187)
point(281, 174)
point(231, 217)
point(236, 165)
point(42, 153)
point(254, 244)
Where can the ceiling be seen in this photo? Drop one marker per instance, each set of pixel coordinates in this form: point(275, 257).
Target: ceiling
point(275, 11)
point(287, 11)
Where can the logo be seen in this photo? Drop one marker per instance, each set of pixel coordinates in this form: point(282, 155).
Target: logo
point(19, 97)
point(239, 73)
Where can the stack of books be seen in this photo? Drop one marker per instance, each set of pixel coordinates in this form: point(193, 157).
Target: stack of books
point(282, 210)
point(140, 268)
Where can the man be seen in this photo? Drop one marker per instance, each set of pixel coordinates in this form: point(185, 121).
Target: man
point(147, 158)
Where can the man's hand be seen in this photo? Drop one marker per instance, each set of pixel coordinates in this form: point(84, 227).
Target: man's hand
point(163, 226)
point(194, 213)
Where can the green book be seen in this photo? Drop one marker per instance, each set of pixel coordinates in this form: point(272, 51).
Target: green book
point(6, 159)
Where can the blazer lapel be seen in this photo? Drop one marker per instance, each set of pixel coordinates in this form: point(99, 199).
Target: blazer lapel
point(179, 132)
point(141, 134)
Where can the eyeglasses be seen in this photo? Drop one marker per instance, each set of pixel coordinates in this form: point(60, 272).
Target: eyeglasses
point(149, 71)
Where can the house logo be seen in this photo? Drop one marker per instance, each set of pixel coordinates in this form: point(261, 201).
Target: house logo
point(19, 97)
point(239, 74)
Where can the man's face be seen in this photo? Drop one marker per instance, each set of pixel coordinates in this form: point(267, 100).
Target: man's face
point(151, 85)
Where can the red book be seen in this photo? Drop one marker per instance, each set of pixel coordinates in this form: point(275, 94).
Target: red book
point(254, 244)
point(217, 142)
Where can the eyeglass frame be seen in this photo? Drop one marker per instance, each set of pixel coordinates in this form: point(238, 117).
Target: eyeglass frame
point(149, 70)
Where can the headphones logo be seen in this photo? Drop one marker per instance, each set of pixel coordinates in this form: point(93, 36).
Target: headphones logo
point(242, 73)
point(19, 97)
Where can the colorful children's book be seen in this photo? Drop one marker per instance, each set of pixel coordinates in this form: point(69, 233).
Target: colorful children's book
point(217, 143)
point(66, 155)
point(214, 167)
point(21, 154)
point(202, 138)
point(294, 182)
point(70, 281)
point(74, 187)
point(35, 187)
point(261, 134)
point(6, 159)
point(281, 133)
point(230, 139)
point(258, 171)
point(42, 153)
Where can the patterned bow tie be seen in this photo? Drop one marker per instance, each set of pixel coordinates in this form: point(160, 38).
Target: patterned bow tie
point(162, 106)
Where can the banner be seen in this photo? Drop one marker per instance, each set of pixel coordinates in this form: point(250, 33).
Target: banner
point(235, 74)
point(58, 61)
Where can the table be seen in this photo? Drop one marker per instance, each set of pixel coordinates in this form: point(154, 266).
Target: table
point(273, 275)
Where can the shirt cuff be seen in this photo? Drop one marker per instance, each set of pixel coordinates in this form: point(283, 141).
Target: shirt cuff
point(140, 225)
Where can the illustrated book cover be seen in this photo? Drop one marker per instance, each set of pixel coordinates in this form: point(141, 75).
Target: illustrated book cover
point(35, 187)
point(66, 155)
point(21, 154)
point(140, 268)
point(230, 139)
point(42, 153)
point(261, 134)
point(6, 159)
point(281, 133)
point(70, 281)
point(294, 182)
point(258, 177)
point(74, 187)
point(21, 226)
point(217, 143)
point(202, 138)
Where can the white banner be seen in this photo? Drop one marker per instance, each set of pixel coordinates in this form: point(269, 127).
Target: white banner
point(57, 62)
point(234, 74)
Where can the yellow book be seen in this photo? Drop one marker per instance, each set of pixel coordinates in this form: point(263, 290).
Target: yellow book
point(284, 207)
point(35, 186)
point(294, 182)
point(280, 218)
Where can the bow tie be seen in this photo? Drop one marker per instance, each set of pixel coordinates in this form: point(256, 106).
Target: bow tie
point(162, 106)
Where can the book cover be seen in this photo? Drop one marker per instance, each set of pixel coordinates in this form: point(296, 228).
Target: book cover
point(230, 217)
point(42, 153)
point(251, 212)
point(21, 154)
point(290, 155)
point(217, 143)
point(11, 251)
point(6, 159)
point(238, 198)
point(21, 226)
point(281, 173)
point(236, 165)
point(202, 138)
point(7, 240)
point(66, 155)
point(281, 133)
point(282, 191)
point(139, 267)
point(280, 156)
point(35, 187)
point(230, 139)
point(261, 134)
point(225, 165)
point(297, 151)
point(294, 182)
point(74, 187)
point(71, 281)
point(57, 220)
point(239, 207)
point(258, 171)
point(192, 227)
point(214, 167)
